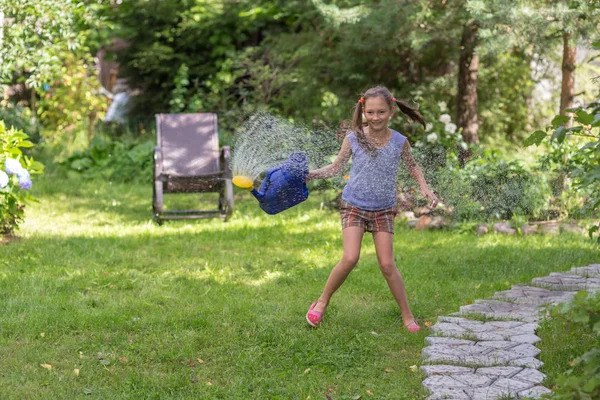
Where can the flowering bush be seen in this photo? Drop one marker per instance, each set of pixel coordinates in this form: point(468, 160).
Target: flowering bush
point(15, 177)
point(441, 142)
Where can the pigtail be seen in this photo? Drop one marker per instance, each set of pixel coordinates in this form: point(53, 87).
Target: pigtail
point(357, 126)
point(344, 128)
point(410, 112)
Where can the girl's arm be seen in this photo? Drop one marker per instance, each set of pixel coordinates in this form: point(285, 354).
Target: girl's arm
point(415, 171)
point(334, 168)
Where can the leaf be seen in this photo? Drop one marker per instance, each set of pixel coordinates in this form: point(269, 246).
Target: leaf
point(47, 366)
point(200, 361)
point(584, 118)
point(306, 371)
point(592, 230)
point(559, 134)
point(389, 370)
point(535, 138)
point(76, 372)
point(413, 368)
point(559, 120)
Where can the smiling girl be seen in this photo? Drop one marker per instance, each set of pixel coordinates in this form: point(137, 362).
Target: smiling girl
point(369, 199)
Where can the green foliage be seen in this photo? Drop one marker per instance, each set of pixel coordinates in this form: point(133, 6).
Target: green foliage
point(14, 177)
point(17, 116)
point(582, 380)
point(505, 84)
point(489, 188)
point(73, 102)
point(123, 160)
point(576, 149)
point(41, 31)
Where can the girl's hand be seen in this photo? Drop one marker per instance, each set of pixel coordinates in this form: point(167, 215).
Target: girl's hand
point(428, 194)
point(310, 176)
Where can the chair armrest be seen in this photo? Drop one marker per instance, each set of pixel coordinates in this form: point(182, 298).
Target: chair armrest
point(158, 162)
point(224, 158)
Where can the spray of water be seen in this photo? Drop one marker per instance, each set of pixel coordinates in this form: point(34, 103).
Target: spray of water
point(265, 141)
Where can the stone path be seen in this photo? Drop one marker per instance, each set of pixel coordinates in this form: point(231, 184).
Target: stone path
point(486, 350)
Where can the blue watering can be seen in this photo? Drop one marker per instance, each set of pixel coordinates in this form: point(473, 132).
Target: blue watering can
point(283, 186)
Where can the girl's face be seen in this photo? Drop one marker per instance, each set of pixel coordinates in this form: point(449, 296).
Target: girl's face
point(378, 113)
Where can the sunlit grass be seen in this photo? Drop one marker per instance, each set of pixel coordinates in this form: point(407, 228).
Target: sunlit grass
point(206, 309)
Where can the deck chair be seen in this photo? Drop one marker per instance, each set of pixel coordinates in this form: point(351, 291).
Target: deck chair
point(187, 159)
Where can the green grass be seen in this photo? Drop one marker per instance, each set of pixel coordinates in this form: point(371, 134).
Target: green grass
point(93, 284)
point(562, 342)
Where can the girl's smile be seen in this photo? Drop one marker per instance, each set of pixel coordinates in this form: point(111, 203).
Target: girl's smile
point(378, 113)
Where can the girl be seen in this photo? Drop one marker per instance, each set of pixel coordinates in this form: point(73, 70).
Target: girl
point(369, 198)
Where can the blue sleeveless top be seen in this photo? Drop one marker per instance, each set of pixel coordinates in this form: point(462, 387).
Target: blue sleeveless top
point(373, 177)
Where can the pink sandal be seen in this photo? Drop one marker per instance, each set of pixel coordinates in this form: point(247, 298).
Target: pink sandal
point(314, 317)
point(413, 327)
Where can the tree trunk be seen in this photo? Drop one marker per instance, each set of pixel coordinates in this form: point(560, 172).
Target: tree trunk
point(468, 69)
point(568, 74)
point(566, 101)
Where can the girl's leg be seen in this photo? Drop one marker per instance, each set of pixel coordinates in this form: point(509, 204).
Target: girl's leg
point(384, 242)
point(352, 238)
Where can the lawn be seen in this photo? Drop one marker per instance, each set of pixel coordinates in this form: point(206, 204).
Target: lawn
point(97, 300)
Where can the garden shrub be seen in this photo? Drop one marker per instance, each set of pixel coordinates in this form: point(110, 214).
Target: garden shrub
point(489, 188)
point(505, 187)
point(18, 116)
point(15, 177)
point(123, 160)
point(582, 380)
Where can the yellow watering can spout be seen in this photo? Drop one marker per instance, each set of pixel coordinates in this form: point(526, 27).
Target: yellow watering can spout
point(243, 181)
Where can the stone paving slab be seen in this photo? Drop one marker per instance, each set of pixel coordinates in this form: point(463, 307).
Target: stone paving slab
point(589, 271)
point(497, 359)
point(487, 393)
point(521, 355)
point(534, 296)
point(502, 309)
point(562, 281)
point(512, 331)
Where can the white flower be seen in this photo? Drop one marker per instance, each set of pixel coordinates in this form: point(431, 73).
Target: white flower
point(463, 145)
point(443, 106)
point(428, 127)
point(450, 127)
point(445, 118)
point(12, 166)
point(3, 179)
point(432, 137)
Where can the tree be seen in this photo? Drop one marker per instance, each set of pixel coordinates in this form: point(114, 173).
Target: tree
point(36, 32)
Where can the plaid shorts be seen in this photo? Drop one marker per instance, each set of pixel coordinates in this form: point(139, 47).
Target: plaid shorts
point(372, 221)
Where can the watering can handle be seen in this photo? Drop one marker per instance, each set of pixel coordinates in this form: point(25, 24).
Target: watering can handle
point(267, 180)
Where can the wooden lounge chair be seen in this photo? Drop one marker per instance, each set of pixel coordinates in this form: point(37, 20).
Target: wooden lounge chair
point(187, 159)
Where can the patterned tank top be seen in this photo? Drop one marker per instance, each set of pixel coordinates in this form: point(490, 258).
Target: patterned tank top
point(373, 177)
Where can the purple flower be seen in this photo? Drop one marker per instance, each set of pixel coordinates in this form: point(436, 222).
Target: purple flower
point(12, 166)
point(24, 179)
point(3, 179)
